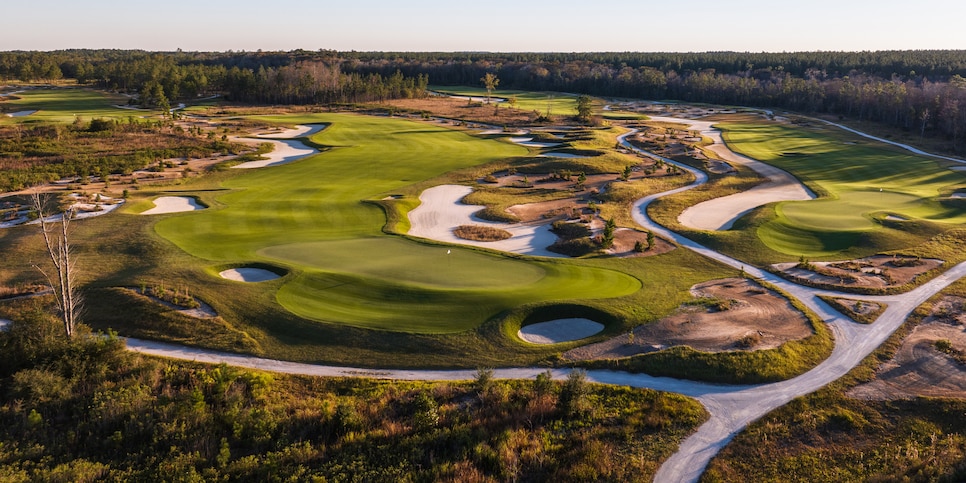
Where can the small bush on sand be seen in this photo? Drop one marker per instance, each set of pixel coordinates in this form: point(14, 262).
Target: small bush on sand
point(481, 233)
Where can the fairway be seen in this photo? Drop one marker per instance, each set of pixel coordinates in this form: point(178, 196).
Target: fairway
point(309, 216)
point(861, 179)
point(559, 103)
point(64, 105)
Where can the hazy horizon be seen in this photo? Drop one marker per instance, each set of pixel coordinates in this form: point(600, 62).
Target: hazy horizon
point(495, 26)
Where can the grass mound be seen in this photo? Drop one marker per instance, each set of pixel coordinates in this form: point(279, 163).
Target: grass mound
point(481, 233)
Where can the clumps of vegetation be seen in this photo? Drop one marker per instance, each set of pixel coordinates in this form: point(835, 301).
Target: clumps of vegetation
point(828, 436)
point(574, 239)
point(748, 342)
point(858, 310)
point(899, 262)
point(22, 289)
point(946, 347)
point(33, 155)
point(173, 296)
point(93, 411)
point(481, 233)
point(714, 304)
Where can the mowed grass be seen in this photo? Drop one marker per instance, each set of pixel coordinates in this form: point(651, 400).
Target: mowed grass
point(309, 216)
point(66, 104)
point(861, 180)
point(560, 104)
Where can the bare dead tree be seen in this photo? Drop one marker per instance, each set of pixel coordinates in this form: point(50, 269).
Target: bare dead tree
point(59, 249)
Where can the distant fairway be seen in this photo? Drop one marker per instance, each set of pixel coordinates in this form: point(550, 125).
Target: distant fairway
point(560, 104)
point(862, 178)
point(309, 216)
point(62, 105)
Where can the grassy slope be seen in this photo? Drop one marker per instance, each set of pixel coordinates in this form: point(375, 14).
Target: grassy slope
point(861, 178)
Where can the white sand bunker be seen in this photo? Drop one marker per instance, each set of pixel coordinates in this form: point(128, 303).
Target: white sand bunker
point(561, 330)
point(300, 131)
point(721, 213)
point(558, 154)
point(174, 204)
point(533, 144)
point(248, 274)
point(20, 113)
point(441, 211)
point(286, 149)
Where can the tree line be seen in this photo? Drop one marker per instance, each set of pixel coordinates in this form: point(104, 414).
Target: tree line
point(919, 91)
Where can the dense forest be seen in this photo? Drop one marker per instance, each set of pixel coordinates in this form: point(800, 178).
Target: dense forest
point(919, 91)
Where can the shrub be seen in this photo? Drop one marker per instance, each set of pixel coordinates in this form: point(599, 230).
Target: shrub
point(481, 233)
point(570, 231)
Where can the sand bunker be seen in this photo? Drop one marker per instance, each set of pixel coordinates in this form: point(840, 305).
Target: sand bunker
point(562, 330)
point(298, 132)
point(721, 213)
point(529, 142)
point(248, 274)
point(286, 150)
point(554, 154)
point(173, 204)
point(20, 113)
point(441, 211)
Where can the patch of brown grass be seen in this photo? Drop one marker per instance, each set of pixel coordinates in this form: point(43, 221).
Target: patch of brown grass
point(481, 233)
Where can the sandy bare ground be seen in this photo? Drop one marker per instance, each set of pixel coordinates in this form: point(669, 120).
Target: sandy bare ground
point(721, 213)
point(879, 271)
point(248, 274)
point(918, 368)
point(441, 210)
point(173, 204)
point(758, 319)
point(561, 330)
point(286, 150)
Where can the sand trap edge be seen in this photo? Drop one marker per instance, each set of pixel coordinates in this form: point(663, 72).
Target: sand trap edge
point(560, 330)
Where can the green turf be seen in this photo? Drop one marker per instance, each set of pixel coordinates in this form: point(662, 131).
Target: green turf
point(66, 104)
point(860, 179)
point(560, 104)
point(308, 216)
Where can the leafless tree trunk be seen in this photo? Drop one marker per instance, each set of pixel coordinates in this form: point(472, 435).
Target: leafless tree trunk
point(59, 249)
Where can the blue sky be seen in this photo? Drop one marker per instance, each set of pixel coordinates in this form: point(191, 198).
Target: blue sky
point(493, 25)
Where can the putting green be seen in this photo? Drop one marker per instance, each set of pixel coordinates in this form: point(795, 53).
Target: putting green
point(861, 177)
point(399, 259)
point(308, 215)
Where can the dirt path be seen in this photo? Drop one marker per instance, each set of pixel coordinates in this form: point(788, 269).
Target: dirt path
point(721, 213)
